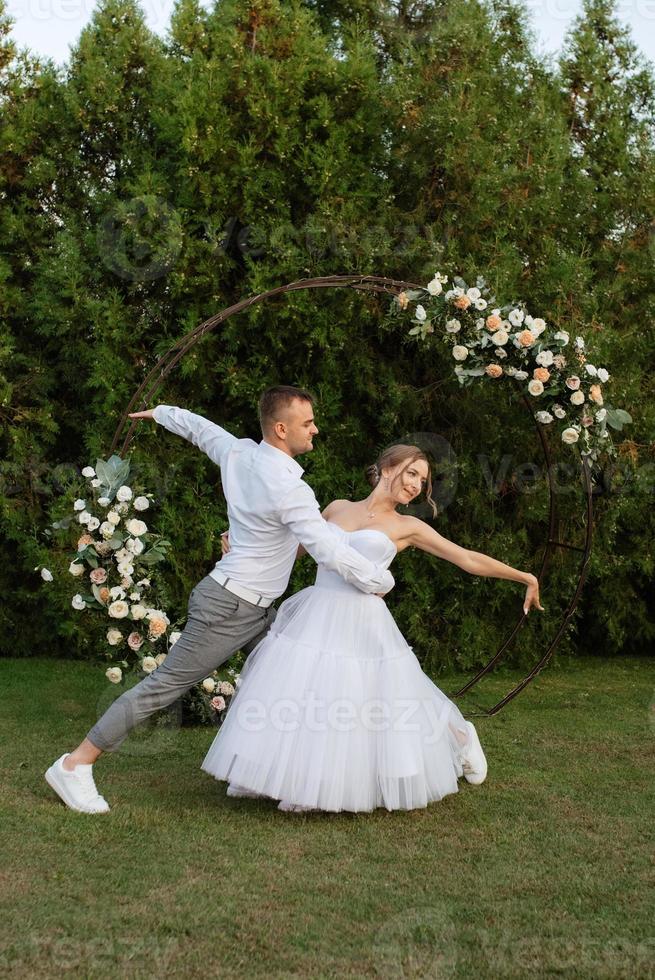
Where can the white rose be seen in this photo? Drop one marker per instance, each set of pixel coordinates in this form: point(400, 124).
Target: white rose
point(79, 504)
point(113, 517)
point(561, 335)
point(95, 483)
point(559, 411)
point(104, 501)
point(500, 337)
point(579, 343)
point(590, 369)
point(149, 664)
point(118, 609)
point(453, 326)
point(84, 517)
point(460, 353)
point(209, 685)
point(88, 471)
point(537, 325)
point(516, 318)
point(457, 291)
point(577, 398)
point(138, 611)
point(78, 602)
point(420, 314)
point(174, 637)
point(601, 415)
point(535, 387)
point(46, 575)
point(125, 569)
point(521, 375)
point(499, 352)
point(75, 569)
point(570, 436)
point(134, 545)
point(545, 358)
point(116, 592)
point(434, 288)
point(114, 637)
point(92, 524)
point(544, 417)
point(136, 527)
point(114, 674)
point(473, 293)
point(603, 376)
point(144, 583)
point(107, 530)
point(141, 503)
point(123, 493)
point(480, 304)
point(122, 508)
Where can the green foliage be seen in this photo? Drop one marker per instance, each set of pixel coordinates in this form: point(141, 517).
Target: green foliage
point(153, 183)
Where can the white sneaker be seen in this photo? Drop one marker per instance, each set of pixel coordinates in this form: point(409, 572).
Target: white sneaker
point(77, 788)
point(473, 760)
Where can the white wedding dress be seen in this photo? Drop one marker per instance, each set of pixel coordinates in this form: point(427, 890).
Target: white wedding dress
point(333, 711)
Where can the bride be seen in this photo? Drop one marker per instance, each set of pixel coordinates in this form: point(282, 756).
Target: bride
point(333, 711)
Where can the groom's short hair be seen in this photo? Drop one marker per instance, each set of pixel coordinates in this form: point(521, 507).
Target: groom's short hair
point(274, 400)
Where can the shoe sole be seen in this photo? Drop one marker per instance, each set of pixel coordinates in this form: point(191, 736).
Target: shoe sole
point(51, 780)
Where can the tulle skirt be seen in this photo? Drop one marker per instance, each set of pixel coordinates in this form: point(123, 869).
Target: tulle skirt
point(333, 712)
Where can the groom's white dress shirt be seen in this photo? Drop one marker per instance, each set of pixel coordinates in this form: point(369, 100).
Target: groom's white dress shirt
point(270, 509)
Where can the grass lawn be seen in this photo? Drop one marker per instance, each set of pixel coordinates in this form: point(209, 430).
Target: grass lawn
point(546, 870)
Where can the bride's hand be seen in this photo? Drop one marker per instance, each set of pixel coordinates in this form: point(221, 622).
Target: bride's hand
point(149, 414)
point(225, 542)
point(532, 596)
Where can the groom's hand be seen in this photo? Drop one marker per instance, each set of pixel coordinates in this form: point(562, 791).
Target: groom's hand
point(149, 414)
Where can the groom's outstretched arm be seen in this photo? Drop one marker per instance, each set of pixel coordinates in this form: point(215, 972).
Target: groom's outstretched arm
point(300, 512)
point(207, 436)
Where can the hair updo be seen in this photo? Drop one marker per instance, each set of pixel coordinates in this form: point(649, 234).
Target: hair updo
point(392, 457)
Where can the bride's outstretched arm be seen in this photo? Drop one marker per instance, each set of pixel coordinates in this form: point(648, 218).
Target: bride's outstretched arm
point(422, 536)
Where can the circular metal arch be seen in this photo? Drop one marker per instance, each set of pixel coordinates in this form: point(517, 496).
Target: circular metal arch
point(379, 284)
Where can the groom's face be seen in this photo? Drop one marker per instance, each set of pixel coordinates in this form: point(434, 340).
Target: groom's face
point(300, 427)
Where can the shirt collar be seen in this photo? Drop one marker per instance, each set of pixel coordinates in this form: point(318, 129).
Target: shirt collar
point(282, 459)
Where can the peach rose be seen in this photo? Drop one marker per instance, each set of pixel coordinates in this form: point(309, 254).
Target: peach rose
point(493, 322)
point(559, 361)
point(526, 338)
point(493, 370)
point(541, 374)
point(98, 576)
point(595, 394)
point(403, 300)
point(156, 628)
point(462, 302)
point(84, 541)
point(104, 595)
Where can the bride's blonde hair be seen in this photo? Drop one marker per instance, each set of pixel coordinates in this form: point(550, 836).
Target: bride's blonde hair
point(392, 457)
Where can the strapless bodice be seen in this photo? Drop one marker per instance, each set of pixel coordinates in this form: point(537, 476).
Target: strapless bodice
point(370, 542)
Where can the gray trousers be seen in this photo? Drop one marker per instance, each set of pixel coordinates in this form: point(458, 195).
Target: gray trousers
point(218, 624)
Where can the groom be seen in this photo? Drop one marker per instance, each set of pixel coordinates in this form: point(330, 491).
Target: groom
point(270, 510)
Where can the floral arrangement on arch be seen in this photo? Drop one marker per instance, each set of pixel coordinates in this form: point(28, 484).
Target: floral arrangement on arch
point(111, 562)
point(493, 342)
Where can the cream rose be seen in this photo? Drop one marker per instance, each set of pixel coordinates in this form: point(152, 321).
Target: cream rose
point(88, 471)
point(113, 517)
point(500, 337)
point(434, 287)
point(577, 398)
point(545, 358)
point(138, 611)
point(114, 637)
point(136, 527)
point(141, 503)
point(123, 493)
point(209, 685)
point(78, 602)
point(544, 417)
point(119, 609)
point(174, 637)
point(76, 569)
point(535, 387)
point(148, 664)
point(570, 436)
point(114, 674)
point(160, 659)
point(453, 326)
point(460, 353)
point(107, 530)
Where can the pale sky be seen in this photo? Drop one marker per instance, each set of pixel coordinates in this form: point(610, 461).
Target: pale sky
point(50, 27)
